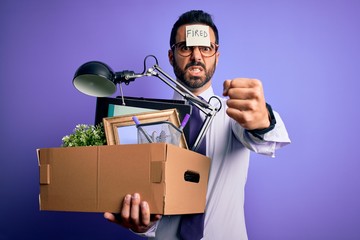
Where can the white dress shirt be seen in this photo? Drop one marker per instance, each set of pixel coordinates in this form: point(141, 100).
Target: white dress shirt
point(228, 146)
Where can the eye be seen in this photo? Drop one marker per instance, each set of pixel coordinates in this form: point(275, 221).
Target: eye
point(183, 47)
point(206, 49)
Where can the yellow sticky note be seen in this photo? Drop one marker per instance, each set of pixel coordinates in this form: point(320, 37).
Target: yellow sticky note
point(197, 35)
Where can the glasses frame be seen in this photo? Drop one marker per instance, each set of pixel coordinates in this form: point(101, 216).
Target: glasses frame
point(174, 46)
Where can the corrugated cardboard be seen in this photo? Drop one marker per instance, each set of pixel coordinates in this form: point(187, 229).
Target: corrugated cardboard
point(97, 178)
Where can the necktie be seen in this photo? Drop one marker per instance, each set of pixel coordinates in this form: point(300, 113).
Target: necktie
point(195, 124)
point(192, 225)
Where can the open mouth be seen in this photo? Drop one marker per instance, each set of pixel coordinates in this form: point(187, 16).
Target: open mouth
point(195, 70)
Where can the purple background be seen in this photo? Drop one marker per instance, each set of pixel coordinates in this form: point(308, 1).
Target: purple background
point(306, 52)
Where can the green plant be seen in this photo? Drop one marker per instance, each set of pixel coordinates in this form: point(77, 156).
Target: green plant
point(85, 135)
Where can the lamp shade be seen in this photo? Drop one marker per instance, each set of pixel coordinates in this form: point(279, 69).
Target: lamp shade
point(95, 79)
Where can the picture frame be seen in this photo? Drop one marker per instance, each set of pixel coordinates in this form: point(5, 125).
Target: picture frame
point(111, 107)
point(124, 125)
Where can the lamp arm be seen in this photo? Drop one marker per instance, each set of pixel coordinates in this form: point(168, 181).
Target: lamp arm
point(209, 110)
point(181, 89)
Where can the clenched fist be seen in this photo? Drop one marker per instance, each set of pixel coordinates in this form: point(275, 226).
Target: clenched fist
point(246, 103)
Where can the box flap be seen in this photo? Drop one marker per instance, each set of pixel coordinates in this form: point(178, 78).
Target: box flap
point(44, 173)
point(156, 169)
point(186, 176)
point(71, 175)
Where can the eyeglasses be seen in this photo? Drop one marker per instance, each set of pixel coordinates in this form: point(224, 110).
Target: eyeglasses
point(186, 51)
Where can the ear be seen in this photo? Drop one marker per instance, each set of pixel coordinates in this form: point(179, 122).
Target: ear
point(217, 57)
point(171, 57)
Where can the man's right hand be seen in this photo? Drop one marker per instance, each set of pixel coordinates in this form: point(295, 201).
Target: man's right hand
point(134, 214)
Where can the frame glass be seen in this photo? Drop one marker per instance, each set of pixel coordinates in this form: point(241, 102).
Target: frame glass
point(122, 129)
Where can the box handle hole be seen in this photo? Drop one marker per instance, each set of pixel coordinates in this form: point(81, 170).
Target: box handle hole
point(190, 176)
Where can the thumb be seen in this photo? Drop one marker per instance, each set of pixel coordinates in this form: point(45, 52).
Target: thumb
point(110, 217)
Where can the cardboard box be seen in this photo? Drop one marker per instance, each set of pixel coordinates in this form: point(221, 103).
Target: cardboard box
point(171, 179)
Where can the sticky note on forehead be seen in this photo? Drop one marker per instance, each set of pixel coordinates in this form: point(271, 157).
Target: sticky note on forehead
point(197, 35)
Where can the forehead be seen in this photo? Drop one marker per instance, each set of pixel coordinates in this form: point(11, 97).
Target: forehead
point(181, 33)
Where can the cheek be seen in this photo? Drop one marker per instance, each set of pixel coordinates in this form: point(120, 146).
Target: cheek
point(211, 63)
point(179, 62)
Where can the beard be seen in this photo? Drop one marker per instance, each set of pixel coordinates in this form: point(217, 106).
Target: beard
point(193, 82)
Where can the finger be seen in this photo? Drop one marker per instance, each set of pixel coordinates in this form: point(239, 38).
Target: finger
point(245, 83)
point(145, 213)
point(110, 217)
point(125, 210)
point(155, 217)
point(135, 208)
point(242, 93)
point(242, 104)
point(241, 83)
point(226, 86)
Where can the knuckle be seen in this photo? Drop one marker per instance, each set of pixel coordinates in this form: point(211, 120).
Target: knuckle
point(258, 84)
point(252, 105)
point(232, 82)
point(255, 82)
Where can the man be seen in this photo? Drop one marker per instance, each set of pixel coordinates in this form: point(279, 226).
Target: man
point(245, 122)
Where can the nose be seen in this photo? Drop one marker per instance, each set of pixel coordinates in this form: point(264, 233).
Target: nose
point(196, 54)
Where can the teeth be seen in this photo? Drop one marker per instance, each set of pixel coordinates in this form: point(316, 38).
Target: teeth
point(195, 70)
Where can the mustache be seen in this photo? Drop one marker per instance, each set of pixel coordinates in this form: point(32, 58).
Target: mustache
point(195, 64)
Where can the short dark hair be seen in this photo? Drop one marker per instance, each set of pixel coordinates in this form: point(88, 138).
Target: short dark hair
point(193, 17)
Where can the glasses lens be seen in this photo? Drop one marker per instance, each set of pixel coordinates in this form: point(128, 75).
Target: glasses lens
point(186, 51)
point(208, 51)
point(182, 49)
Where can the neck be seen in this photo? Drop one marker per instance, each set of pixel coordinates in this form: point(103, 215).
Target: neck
point(198, 91)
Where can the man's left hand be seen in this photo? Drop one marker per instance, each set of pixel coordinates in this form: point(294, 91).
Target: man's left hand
point(246, 103)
